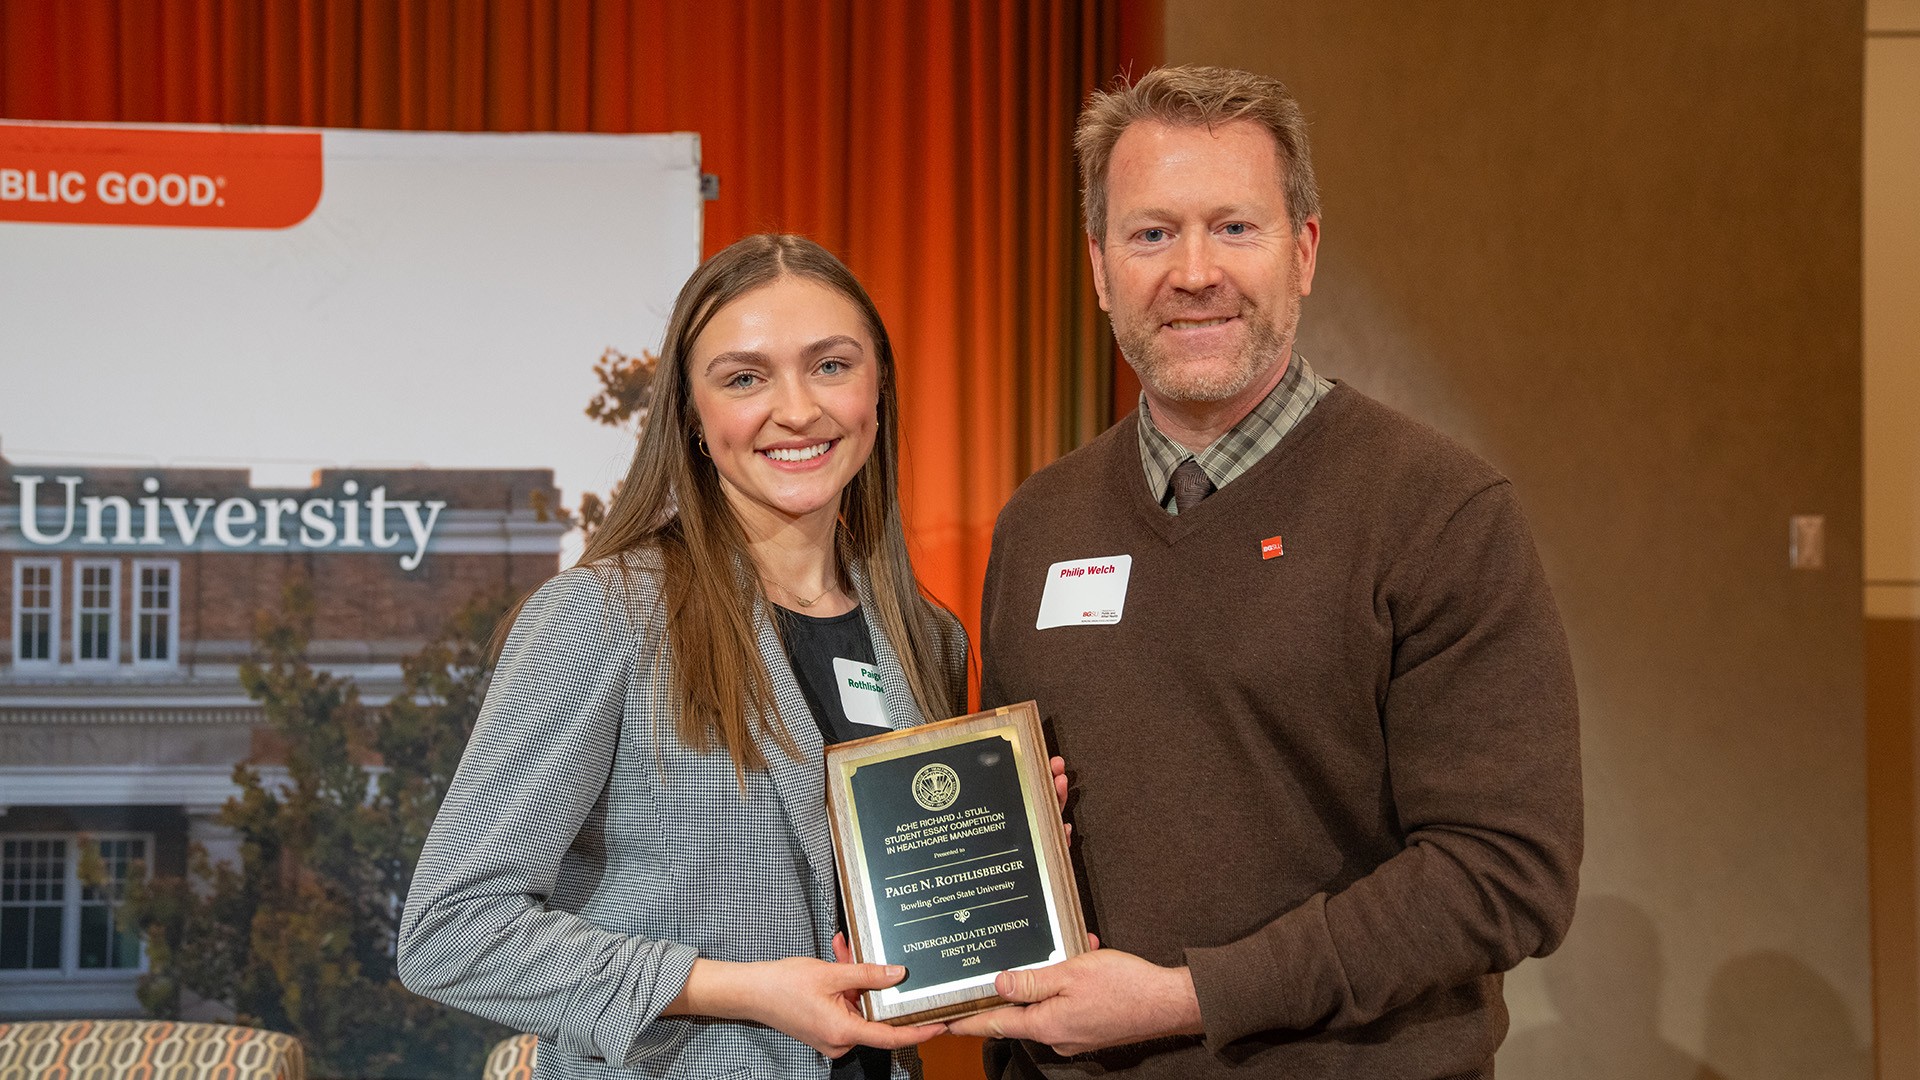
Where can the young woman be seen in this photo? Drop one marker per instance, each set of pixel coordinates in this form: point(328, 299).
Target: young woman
point(633, 860)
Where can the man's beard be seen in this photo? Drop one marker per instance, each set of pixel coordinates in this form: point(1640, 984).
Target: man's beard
point(1208, 379)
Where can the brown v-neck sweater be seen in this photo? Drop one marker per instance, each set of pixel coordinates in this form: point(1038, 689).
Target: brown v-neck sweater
point(1341, 783)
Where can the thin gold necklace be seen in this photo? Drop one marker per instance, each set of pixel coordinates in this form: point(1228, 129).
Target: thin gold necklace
point(801, 600)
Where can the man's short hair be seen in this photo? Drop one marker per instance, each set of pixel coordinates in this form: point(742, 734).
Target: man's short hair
point(1194, 96)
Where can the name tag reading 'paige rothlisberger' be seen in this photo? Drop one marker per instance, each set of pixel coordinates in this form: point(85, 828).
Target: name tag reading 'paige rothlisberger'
point(1085, 592)
point(952, 860)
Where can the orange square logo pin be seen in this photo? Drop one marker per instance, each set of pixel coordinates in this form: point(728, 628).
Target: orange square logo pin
point(1270, 548)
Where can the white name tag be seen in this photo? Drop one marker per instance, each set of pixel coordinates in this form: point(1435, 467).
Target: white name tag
point(860, 692)
point(1085, 592)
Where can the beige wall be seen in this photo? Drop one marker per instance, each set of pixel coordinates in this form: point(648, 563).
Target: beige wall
point(1615, 247)
point(1892, 302)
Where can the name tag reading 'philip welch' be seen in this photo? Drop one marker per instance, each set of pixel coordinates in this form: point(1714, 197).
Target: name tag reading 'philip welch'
point(1085, 592)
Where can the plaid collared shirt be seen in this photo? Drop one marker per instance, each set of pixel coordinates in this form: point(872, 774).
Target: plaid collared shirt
point(1246, 442)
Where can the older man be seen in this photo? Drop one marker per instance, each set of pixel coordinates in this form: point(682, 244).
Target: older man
point(1312, 691)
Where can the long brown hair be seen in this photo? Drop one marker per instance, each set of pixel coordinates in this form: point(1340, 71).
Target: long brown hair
point(671, 502)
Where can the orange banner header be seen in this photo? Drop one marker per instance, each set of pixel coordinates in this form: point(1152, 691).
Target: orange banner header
point(152, 176)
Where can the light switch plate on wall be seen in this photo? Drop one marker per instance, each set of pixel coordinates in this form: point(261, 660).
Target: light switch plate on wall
point(1807, 541)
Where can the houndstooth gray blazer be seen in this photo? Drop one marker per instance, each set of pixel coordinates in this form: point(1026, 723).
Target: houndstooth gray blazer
point(584, 856)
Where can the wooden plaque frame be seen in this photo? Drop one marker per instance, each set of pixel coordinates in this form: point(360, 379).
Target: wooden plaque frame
point(865, 896)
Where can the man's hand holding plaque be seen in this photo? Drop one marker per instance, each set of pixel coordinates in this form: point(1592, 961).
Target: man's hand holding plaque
point(953, 860)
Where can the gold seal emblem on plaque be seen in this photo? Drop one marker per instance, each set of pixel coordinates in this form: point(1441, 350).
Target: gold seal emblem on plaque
point(935, 786)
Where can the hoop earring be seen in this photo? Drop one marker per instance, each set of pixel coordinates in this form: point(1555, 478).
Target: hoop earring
point(700, 439)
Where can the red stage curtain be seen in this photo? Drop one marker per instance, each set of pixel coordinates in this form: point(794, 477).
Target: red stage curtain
point(928, 142)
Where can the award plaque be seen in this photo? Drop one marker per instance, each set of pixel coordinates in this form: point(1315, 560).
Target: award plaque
point(953, 862)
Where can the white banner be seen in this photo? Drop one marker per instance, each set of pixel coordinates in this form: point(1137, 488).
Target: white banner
point(289, 300)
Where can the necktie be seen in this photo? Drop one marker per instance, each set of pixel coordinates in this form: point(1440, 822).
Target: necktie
point(1190, 485)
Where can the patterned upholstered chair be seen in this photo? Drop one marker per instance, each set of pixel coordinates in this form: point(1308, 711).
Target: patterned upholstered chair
point(512, 1059)
point(146, 1050)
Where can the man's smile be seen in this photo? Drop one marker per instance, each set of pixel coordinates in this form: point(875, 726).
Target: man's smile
point(1199, 324)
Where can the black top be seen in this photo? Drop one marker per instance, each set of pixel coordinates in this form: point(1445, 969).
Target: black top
point(833, 661)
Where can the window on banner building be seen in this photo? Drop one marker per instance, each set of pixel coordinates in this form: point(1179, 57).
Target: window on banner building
point(36, 611)
point(96, 610)
point(57, 903)
point(33, 897)
point(156, 612)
